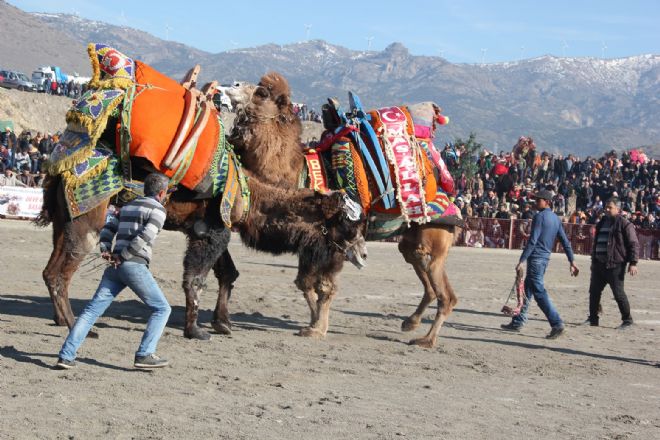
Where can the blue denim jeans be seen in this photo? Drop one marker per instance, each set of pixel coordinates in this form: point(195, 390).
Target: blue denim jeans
point(137, 277)
point(534, 288)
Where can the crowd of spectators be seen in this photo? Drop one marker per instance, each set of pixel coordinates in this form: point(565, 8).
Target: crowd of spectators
point(504, 183)
point(305, 113)
point(22, 157)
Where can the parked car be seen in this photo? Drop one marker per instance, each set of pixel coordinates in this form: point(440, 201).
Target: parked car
point(16, 80)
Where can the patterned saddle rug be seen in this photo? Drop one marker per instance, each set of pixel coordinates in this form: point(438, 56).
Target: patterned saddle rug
point(131, 111)
point(149, 109)
point(421, 198)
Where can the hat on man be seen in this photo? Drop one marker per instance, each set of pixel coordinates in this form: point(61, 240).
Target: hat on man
point(543, 194)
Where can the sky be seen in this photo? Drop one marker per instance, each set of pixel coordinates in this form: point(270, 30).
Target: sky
point(471, 31)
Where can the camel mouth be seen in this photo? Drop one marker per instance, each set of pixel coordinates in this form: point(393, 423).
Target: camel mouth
point(357, 254)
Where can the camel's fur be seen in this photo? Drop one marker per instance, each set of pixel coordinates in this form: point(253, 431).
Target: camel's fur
point(424, 247)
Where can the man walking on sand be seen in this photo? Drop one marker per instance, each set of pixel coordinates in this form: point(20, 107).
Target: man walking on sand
point(136, 229)
point(616, 246)
point(546, 227)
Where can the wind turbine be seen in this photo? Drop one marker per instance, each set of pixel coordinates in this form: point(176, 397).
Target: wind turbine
point(483, 55)
point(564, 46)
point(123, 18)
point(369, 40)
point(233, 43)
point(308, 27)
point(168, 28)
point(522, 52)
point(603, 48)
point(441, 52)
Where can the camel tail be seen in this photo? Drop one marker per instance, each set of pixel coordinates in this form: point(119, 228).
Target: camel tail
point(51, 186)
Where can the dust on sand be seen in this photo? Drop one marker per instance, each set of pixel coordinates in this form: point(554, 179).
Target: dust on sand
point(363, 381)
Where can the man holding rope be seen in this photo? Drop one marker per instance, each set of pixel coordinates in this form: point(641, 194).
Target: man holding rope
point(136, 230)
point(546, 227)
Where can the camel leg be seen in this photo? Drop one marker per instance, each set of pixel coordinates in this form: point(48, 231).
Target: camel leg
point(51, 273)
point(446, 302)
point(326, 290)
point(201, 255)
point(226, 273)
point(413, 321)
point(72, 241)
point(305, 281)
point(426, 250)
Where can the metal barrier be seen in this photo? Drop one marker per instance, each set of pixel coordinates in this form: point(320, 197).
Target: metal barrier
point(513, 234)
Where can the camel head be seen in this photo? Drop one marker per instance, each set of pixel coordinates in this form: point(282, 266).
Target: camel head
point(240, 94)
point(343, 226)
point(267, 104)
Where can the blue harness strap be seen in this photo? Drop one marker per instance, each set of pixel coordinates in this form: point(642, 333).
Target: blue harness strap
point(389, 198)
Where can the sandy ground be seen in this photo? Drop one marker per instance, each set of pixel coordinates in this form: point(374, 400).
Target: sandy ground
point(362, 382)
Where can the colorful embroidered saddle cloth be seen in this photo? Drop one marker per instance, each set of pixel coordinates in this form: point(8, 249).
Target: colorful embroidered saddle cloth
point(100, 177)
point(410, 163)
point(148, 108)
point(132, 111)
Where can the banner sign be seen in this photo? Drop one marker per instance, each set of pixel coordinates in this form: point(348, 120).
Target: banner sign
point(19, 202)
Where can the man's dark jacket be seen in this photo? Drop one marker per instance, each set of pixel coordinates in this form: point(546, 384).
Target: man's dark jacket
point(622, 244)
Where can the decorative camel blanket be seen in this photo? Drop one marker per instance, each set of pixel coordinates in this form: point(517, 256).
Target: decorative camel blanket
point(394, 127)
point(94, 159)
point(100, 177)
point(411, 161)
point(149, 107)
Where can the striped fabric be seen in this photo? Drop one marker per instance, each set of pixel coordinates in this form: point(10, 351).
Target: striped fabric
point(136, 229)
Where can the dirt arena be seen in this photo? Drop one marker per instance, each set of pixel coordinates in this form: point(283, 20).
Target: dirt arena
point(362, 382)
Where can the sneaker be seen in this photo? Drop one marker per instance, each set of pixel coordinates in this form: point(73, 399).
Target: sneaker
point(150, 361)
point(63, 364)
point(511, 327)
point(625, 324)
point(555, 333)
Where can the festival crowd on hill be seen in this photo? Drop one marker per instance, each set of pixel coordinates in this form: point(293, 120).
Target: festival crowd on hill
point(504, 183)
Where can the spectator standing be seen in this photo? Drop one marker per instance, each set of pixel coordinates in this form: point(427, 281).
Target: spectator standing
point(616, 247)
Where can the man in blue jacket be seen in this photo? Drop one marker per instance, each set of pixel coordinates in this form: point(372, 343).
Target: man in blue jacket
point(546, 227)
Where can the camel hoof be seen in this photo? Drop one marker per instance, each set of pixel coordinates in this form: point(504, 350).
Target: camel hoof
point(310, 332)
point(223, 328)
point(409, 325)
point(197, 333)
point(60, 322)
point(422, 342)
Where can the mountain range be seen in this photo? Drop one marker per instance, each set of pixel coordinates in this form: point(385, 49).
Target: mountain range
point(577, 105)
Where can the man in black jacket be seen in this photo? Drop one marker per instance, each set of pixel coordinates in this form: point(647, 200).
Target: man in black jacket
point(615, 247)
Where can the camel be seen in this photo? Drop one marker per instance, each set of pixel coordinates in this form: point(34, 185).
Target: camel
point(266, 134)
point(323, 229)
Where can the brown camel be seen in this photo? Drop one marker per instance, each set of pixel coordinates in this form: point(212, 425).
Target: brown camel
point(323, 229)
point(266, 134)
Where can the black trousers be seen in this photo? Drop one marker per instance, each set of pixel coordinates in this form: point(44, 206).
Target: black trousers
point(601, 276)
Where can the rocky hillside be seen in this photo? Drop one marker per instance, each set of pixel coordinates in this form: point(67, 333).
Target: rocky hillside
point(27, 42)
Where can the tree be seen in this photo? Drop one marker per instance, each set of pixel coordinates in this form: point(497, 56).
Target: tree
point(467, 152)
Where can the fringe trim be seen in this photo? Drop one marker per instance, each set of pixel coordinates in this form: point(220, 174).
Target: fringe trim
point(72, 181)
point(94, 127)
point(96, 69)
point(63, 165)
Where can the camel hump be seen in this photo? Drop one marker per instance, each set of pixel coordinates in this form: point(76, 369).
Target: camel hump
point(275, 83)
